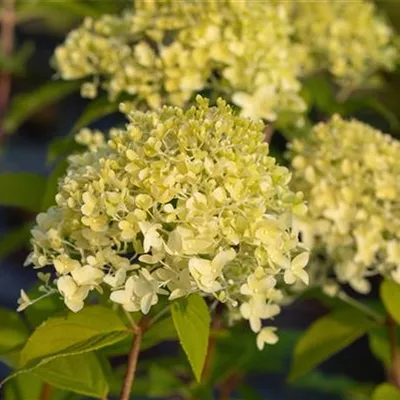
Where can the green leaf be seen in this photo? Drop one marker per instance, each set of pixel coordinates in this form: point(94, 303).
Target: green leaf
point(29, 386)
point(62, 146)
point(25, 105)
point(82, 373)
point(380, 346)
point(96, 109)
point(92, 328)
point(247, 392)
point(386, 392)
point(327, 336)
point(13, 331)
point(328, 384)
point(65, 7)
point(318, 92)
point(236, 351)
point(24, 387)
point(162, 382)
point(49, 197)
point(15, 63)
point(161, 331)
point(22, 189)
point(390, 295)
point(192, 322)
point(14, 240)
point(47, 307)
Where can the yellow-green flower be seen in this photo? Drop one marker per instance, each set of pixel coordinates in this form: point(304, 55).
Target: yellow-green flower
point(349, 173)
point(178, 202)
point(348, 38)
point(165, 52)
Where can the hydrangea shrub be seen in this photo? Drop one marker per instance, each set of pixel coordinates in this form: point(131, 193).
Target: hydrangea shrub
point(349, 173)
point(349, 39)
point(165, 52)
point(178, 202)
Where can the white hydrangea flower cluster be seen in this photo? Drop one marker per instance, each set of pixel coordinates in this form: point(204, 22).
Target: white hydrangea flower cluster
point(348, 38)
point(349, 172)
point(167, 51)
point(179, 202)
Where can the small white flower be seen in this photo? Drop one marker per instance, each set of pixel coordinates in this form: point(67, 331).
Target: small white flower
point(152, 238)
point(206, 272)
point(258, 105)
point(257, 309)
point(126, 297)
point(24, 301)
point(87, 275)
point(267, 335)
point(117, 279)
point(296, 269)
point(74, 295)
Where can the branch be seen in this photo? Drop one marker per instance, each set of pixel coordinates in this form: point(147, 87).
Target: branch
point(215, 326)
point(395, 365)
point(229, 386)
point(46, 392)
point(7, 47)
point(132, 361)
point(361, 307)
point(268, 132)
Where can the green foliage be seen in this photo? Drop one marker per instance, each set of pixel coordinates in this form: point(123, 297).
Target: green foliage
point(13, 331)
point(61, 147)
point(380, 346)
point(95, 110)
point(25, 105)
point(63, 14)
point(52, 185)
point(22, 189)
point(236, 351)
point(192, 322)
point(15, 63)
point(23, 387)
point(386, 392)
point(331, 384)
point(82, 373)
point(161, 331)
point(91, 329)
point(163, 383)
point(327, 336)
point(40, 311)
point(14, 239)
point(390, 295)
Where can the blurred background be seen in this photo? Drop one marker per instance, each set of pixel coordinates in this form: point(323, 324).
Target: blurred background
point(38, 117)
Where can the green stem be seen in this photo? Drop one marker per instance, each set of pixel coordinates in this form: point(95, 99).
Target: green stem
point(361, 307)
point(131, 320)
point(158, 316)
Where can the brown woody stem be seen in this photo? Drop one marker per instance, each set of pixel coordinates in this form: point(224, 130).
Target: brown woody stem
point(215, 326)
point(46, 392)
point(268, 132)
point(7, 47)
point(132, 362)
point(395, 361)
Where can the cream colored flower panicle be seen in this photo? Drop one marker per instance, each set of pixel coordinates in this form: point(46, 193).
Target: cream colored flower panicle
point(165, 52)
point(178, 202)
point(349, 38)
point(350, 174)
